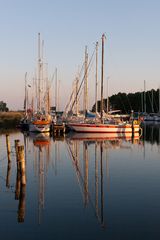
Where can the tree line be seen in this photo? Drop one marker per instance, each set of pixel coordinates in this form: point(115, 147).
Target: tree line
point(3, 107)
point(148, 102)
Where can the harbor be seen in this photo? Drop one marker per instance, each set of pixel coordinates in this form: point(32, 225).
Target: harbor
point(95, 181)
point(80, 120)
point(39, 117)
point(79, 166)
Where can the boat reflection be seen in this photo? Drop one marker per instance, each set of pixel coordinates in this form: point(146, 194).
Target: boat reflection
point(41, 141)
point(151, 132)
point(83, 149)
point(102, 136)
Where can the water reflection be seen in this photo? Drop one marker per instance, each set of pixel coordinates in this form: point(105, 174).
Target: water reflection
point(41, 151)
point(96, 180)
point(22, 204)
point(40, 140)
point(79, 145)
point(151, 132)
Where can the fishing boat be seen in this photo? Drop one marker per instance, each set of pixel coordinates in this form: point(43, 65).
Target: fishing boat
point(105, 126)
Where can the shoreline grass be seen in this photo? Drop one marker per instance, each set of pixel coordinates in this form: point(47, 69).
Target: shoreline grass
point(10, 119)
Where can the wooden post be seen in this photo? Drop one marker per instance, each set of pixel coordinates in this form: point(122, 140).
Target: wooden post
point(20, 181)
point(8, 148)
point(16, 149)
point(18, 178)
point(22, 164)
point(9, 161)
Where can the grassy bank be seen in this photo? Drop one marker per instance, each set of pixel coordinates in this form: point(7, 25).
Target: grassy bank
point(10, 119)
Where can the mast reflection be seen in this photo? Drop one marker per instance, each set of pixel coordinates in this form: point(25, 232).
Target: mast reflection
point(41, 142)
point(87, 146)
point(151, 132)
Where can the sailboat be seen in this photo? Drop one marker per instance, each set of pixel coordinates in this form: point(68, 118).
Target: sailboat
point(40, 123)
point(153, 117)
point(41, 118)
point(102, 126)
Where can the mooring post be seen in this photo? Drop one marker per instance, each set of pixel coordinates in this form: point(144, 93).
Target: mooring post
point(16, 150)
point(18, 185)
point(21, 182)
point(8, 148)
point(22, 164)
point(18, 177)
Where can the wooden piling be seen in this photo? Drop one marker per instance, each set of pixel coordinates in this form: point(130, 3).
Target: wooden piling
point(22, 164)
point(58, 129)
point(16, 150)
point(9, 161)
point(8, 147)
point(18, 177)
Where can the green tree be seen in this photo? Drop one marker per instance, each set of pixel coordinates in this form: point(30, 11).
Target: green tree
point(138, 102)
point(3, 107)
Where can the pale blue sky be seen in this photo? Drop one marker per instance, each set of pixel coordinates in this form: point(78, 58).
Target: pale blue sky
point(132, 48)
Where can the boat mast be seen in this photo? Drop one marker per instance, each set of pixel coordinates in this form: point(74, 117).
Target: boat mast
point(26, 95)
point(96, 76)
point(107, 95)
point(77, 81)
point(47, 92)
point(39, 75)
point(58, 96)
point(86, 82)
point(142, 100)
point(43, 80)
point(102, 76)
point(152, 102)
point(159, 99)
point(56, 91)
point(144, 96)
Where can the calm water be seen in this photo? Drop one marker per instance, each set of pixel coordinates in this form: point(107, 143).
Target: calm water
point(82, 188)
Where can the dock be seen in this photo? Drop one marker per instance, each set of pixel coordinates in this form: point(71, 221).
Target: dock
point(58, 129)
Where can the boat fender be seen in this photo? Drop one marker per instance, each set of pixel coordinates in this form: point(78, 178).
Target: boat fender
point(135, 122)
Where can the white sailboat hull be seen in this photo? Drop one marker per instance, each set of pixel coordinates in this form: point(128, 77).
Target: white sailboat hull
point(39, 127)
point(104, 128)
point(153, 118)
